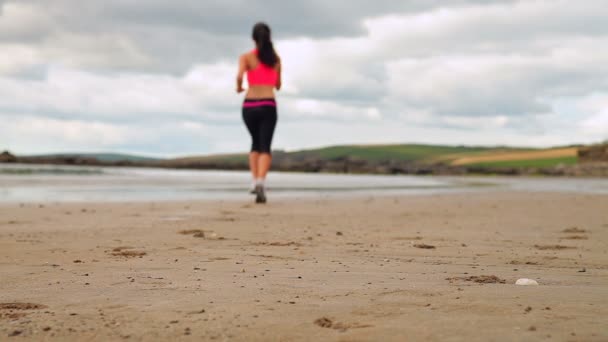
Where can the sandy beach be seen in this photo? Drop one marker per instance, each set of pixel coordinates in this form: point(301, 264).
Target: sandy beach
point(432, 268)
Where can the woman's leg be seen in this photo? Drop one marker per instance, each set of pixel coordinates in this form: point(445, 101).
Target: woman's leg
point(264, 162)
point(266, 133)
point(252, 123)
point(254, 157)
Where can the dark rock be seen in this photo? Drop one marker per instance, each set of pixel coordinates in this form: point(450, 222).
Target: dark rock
point(594, 153)
point(7, 157)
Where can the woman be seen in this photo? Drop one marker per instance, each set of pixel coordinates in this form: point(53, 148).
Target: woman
point(263, 68)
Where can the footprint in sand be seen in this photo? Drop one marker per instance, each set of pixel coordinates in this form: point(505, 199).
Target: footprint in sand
point(22, 306)
point(198, 233)
point(325, 322)
point(576, 237)
point(424, 246)
point(278, 244)
point(574, 230)
point(127, 252)
point(552, 247)
point(482, 279)
point(7, 310)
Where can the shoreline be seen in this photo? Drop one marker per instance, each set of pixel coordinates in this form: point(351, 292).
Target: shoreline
point(319, 269)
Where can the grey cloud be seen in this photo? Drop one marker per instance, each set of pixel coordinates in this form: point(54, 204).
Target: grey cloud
point(313, 18)
point(176, 34)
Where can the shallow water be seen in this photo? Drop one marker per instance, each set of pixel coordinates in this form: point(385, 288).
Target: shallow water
point(44, 183)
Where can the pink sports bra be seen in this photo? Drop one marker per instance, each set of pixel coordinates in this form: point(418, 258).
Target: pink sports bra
point(262, 74)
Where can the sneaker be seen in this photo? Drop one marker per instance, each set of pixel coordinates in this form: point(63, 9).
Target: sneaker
point(260, 195)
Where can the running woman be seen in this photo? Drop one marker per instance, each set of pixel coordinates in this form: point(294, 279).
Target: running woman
point(263, 68)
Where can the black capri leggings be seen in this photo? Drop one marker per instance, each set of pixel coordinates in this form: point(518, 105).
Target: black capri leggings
point(260, 116)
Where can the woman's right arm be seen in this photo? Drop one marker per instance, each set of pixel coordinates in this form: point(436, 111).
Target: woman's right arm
point(279, 74)
point(241, 73)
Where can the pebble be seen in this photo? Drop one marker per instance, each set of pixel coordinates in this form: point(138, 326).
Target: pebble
point(526, 282)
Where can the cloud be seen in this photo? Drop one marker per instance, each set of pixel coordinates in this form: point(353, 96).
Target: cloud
point(463, 71)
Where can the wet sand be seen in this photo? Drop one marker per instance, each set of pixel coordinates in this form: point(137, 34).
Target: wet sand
point(435, 268)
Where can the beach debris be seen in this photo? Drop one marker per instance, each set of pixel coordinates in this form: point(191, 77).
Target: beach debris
point(424, 246)
point(552, 247)
point(482, 279)
point(583, 270)
point(339, 233)
point(528, 309)
point(526, 282)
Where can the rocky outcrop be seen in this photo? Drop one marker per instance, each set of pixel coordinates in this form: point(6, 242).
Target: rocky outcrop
point(593, 154)
point(7, 157)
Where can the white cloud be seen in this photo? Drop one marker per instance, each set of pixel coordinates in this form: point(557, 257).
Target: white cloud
point(44, 133)
point(595, 124)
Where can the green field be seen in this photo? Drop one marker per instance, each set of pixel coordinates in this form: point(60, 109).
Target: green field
point(388, 152)
point(536, 163)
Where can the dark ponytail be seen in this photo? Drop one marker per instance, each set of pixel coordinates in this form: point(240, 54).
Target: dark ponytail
point(266, 53)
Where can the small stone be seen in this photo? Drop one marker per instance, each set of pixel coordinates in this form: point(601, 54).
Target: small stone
point(532, 328)
point(526, 282)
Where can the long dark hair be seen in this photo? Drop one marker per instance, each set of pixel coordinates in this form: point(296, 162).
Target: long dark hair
point(266, 53)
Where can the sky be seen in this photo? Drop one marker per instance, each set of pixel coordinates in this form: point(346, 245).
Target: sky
point(158, 77)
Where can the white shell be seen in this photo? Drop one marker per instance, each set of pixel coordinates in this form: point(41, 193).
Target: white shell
point(526, 281)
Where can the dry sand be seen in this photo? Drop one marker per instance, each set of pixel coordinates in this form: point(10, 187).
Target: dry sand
point(436, 268)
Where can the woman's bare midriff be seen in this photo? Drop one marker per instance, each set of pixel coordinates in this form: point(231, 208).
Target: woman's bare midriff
point(260, 92)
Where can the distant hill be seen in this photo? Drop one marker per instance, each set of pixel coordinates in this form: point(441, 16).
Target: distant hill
point(102, 157)
point(415, 153)
point(416, 159)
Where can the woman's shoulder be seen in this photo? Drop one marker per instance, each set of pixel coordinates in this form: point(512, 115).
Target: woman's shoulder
point(248, 54)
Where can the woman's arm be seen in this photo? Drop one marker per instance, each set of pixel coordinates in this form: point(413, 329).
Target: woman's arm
point(279, 74)
point(240, 73)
